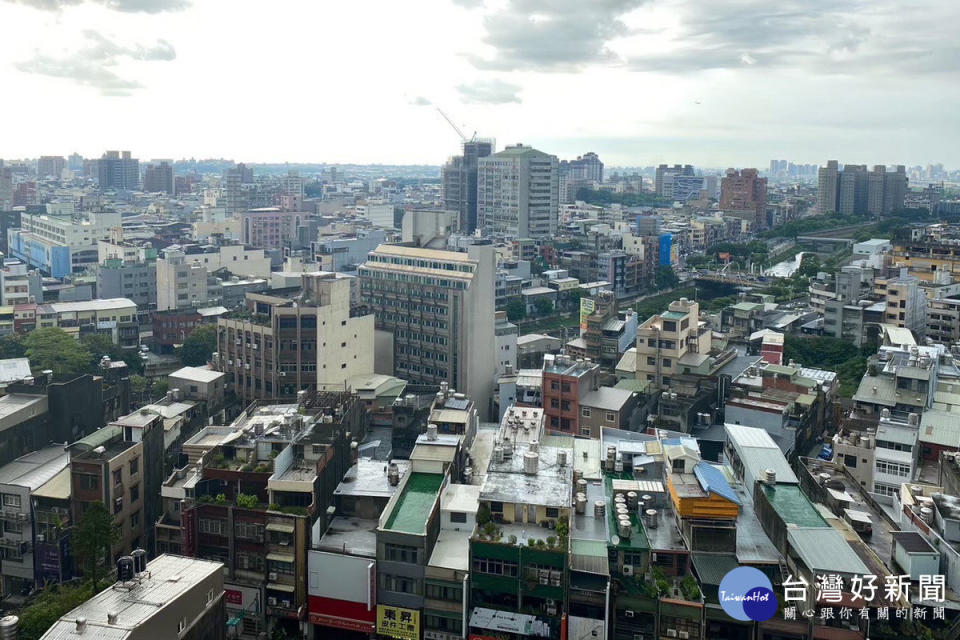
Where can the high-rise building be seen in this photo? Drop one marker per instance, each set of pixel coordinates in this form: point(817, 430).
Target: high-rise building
point(50, 166)
point(743, 194)
point(586, 167)
point(828, 187)
point(664, 170)
point(518, 193)
point(856, 191)
point(233, 181)
point(886, 190)
point(181, 283)
point(438, 306)
point(6, 187)
point(118, 170)
point(75, 163)
point(314, 340)
point(459, 182)
point(158, 178)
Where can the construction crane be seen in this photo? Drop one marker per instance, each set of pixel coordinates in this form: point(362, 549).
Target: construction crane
point(463, 138)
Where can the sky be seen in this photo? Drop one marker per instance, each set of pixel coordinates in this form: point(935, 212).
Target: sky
point(640, 82)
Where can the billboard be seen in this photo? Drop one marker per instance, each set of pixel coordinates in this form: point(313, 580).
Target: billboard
point(397, 622)
point(587, 307)
point(349, 602)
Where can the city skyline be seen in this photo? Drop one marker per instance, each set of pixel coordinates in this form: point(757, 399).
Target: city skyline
point(635, 82)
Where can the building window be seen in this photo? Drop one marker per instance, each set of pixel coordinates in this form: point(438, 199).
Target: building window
point(117, 477)
point(211, 526)
point(585, 412)
point(553, 512)
point(400, 553)
point(134, 494)
point(135, 520)
point(667, 363)
point(442, 592)
point(11, 500)
point(494, 566)
point(585, 431)
point(458, 516)
point(248, 530)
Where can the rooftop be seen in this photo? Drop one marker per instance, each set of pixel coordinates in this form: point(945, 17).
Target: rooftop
point(356, 536)
point(102, 304)
point(35, 469)
point(826, 549)
point(169, 578)
point(198, 374)
point(550, 486)
point(793, 506)
point(607, 398)
point(14, 369)
point(369, 478)
point(13, 403)
point(411, 511)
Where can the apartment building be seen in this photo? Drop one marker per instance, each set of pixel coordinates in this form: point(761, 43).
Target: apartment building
point(24, 521)
point(181, 283)
point(269, 227)
point(566, 381)
point(743, 194)
point(906, 303)
point(437, 307)
point(127, 269)
point(518, 193)
point(310, 339)
point(60, 244)
point(18, 284)
point(672, 342)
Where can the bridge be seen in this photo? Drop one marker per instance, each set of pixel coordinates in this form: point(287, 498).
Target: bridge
point(735, 278)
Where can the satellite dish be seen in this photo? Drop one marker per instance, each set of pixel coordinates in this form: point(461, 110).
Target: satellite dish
point(615, 539)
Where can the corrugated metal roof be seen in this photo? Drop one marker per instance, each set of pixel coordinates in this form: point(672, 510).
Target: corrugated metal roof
point(749, 436)
point(713, 481)
point(758, 460)
point(712, 567)
point(940, 427)
point(825, 548)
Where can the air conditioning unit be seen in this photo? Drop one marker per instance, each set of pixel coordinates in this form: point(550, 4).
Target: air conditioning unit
point(255, 346)
point(248, 345)
point(246, 366)
point(272, 601)
point(40, 538)
point(283, 373)
point(284, 542)
point(544, 580)
point(653, 556)
point(628, 613)
point(230, 362)
point(628, 569)
point(236, 342)
point(671, 633)
point(272, 575)
point(684, 635)
point(286, 604)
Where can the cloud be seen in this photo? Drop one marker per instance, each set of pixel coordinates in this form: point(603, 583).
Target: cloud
point(420, 101)
point(127, 6)
point(468, 4)
point(820, 35)
point(553, 35)
point(92, 65)
point(490, 92)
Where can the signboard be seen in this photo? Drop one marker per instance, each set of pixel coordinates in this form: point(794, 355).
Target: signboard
point(347, 602)
point(397, 622)
point(238, 597)
point(341, 623)
point(188, 520)
point(587, 307)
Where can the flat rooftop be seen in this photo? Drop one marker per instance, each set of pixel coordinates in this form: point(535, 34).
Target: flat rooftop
point(354, 536)
point(411, 511)
point(793, 506)
point(369, 478)
point(13, 403)
point(135, 607)
point(550, 486)
point(452, 550)
point(198, 374)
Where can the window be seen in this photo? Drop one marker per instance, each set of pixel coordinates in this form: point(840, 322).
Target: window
point(248, 530)
point(443, 592)
point(117, 477)
point(496, 507)
point(667, 363)
point(135, 520)
point(400, 584)
point(211, 526)
point(585, 431)
point(458, 516)
point(11, 500)
point(400, 553)
point(669, 326)
point(850, 461)
point(134, 494)
point(12, 526)
point(611, 416)
point(495, 567)
point(86, 481)
point(585, 412)
point(893, 468)
point(553, 512)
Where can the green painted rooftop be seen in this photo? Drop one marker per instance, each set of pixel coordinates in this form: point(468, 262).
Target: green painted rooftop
point(793, 506)
point(674, 315)
point(411, 511)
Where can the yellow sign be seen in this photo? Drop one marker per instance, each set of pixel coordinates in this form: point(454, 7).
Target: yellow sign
point(397, 622)
point(587, 307)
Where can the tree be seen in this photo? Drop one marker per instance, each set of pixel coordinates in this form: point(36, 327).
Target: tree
point(92, 540)
point(48, 606)
point(809, 265)
point(516, 310)
point(138, 385)
point(199, 346)
point(161, 386)
point(55, 349)
point(543, 306)
point(666, 278)
point(12, 347)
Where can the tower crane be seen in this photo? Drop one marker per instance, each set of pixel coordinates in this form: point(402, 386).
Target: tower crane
point(463, 138)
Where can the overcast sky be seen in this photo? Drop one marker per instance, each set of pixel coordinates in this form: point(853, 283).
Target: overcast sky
point(719, 83)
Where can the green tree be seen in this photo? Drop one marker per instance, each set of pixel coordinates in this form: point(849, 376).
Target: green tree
point(12, 347)
point(516, 310)
point(809, 265)
point(92, 540)
point(199, 346)
point(160, 387)
point(47, 606)
point(55, 349)
point(542, 306)
point(666, 278)
point(138, 385)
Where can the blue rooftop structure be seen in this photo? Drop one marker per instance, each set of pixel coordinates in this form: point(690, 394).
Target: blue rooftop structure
point(712, 480)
